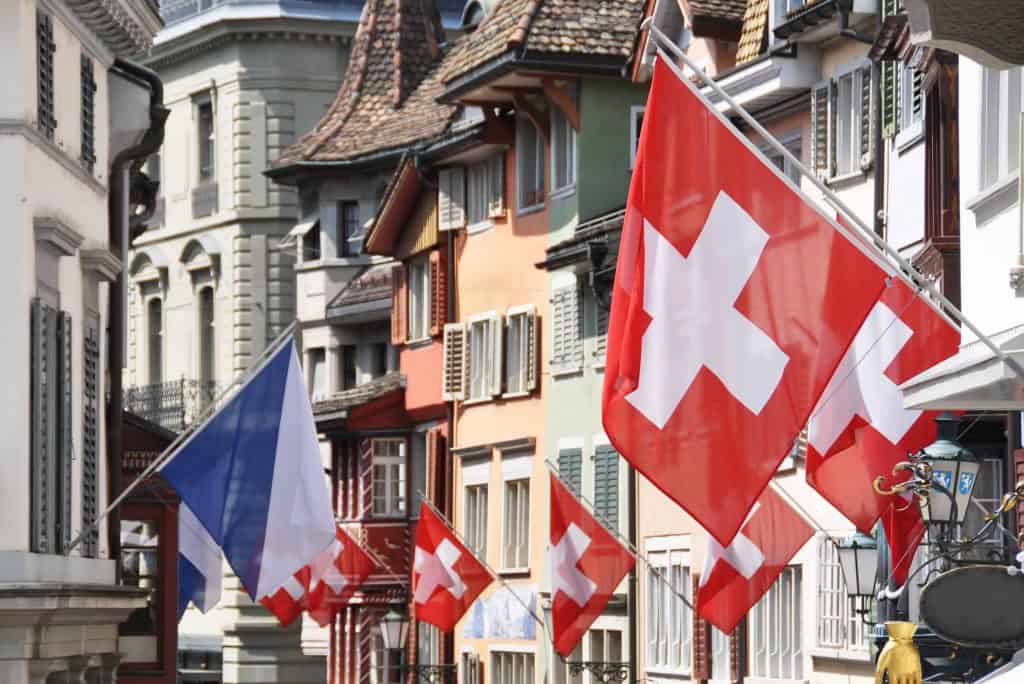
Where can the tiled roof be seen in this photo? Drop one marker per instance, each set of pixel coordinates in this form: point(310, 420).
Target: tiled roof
point(579, 27)
point(371, 284)
point(362, 394)
point(388, 98)
point(727, 10)
point(755, 25)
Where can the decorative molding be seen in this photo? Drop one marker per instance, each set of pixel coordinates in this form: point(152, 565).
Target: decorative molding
point(166, 56)
point(475, 451)
point(101, 262)
point(520, 444)
point(65, 239)
point(126, 26)
point(28, 131)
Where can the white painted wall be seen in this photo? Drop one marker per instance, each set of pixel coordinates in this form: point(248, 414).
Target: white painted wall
point(905, 227)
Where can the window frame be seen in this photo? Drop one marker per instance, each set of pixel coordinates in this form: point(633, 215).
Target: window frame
point(199, 103)
point(539, 194)
point(994, 140)
point(392, 508)
point(515, 534)
point(793, 142)
point(526, 316)
point(793, 575)
point(475, 520)
point(207, 334)
point(910, 128)
point(478, 195)
point(345, 237)
point(158, 348)
point(569, 155)
point(490, 352)
point(421, 300)
point(381, 660)
point(835, 614)
point(636, 119)
point(496, 675)
point(666, 611)
point(311, 373)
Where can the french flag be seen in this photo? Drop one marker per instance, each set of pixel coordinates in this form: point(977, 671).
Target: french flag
point(252, 476)
point(199, 564)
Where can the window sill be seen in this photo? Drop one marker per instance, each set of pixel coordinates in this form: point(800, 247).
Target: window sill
point(477, 400)
point(514, 572)
point(532, 209)
point(479, 227)
point(841, 654)
point(666, 672)
point(994, 199)
point(847, 178)
point(909, 138)
point(562, 193)
point(515, 395)
point(419, 342)
point(564, 371)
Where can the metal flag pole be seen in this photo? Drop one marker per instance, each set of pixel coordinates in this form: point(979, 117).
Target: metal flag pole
point(186, 436)
point(494, 573)
point(906, 269)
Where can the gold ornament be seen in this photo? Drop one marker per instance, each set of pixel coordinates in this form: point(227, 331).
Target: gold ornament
point(899, 658)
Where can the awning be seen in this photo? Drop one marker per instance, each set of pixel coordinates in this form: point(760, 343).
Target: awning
point(1011, 673)
point(974, 378)
point(293, 235)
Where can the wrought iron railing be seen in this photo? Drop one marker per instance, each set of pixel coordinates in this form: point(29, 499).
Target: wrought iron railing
point(173, 405)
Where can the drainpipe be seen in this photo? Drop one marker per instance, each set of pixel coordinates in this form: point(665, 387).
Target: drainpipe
point(881, 159)
point(631, 593)
point(118, 236)
point(449, 409)
point(1017, 270)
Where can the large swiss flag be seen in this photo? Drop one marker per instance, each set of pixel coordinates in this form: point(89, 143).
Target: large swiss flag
point(860, 429)
point(734, 302)
point(446, 576)
point(587, 563)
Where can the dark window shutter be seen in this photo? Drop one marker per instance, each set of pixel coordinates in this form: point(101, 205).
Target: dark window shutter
point(88, 114)
point(66, 428)
point(44, 429)
point(438, 291)
point(606, 485)
point(570, 467)
point(867, 119)
point(399, 305)
point(365, 477)
point(701, 640)
point(890, 98)
point(736, 654)
point(821, 135)
point(90, 416)
point(45, 49)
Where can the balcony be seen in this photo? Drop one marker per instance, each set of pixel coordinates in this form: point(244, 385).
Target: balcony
point(172, 405)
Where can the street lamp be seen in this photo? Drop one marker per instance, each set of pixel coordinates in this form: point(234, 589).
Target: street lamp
point(394, 628)
point(858, 558)
point(953, 470)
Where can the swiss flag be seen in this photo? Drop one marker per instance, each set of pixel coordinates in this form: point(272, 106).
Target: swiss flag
point(320, 587)
point(446, 576)
point(587, 563)
point(734, 301)
point(904, 530)
point(860, 429)
point(736, 577)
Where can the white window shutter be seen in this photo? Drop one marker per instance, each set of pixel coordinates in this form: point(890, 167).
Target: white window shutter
point(455, 365)
point(567, 338)
point(496, 179)
point(458, 198)
point(496, 355)
point(531, 361)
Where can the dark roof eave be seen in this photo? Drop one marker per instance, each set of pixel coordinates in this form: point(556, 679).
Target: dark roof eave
point(577, 63)
point(561, 256)
point(290, 174)
point(453, 142)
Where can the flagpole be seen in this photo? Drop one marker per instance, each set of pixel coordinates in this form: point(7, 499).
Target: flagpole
point(628, 545)
point(919, 281)
point(188, 434)
point(494, 574)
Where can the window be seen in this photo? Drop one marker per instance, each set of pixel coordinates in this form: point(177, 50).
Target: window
point(476, 519)
point(606, 485)
point(841, 123)
point(1000, 125)
point(566, 330)
point(470, 668)
point(669, 620)
point(839, 626)
point(988, 491)
point(485, 190)
point(378, 359)
point(155, 339)
point(388, 477)
point(636, 123)
point(351, 229)
point(509, 667)
point(563, 151)
point(516, 542)
point(385, 663)
point(605, 645)
point(316, 359)
point(419, 299)
point(774, 626)
point(428, 641)
point(720, 664)
point(140, 567)
point(485, 357)
point(451, 198)
point(791, 142)
point(207, 337)
point(911, 98)
point(348, 366)
point(206, 140)
point(529, 164)
point(520, 361)
point(570, 467)
point(45, 47)
point(88, 114)
point(311, 243)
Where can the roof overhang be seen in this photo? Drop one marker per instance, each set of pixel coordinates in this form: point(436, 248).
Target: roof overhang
point(768, 80)
point(972, 379)
point(819, 21)
point(987, 31)
point(362, 312)
point(397, 205)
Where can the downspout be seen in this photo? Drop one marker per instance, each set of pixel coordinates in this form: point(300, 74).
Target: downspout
point(881, 159)
point(449, 470)
point(118, 236)
point(631, 589)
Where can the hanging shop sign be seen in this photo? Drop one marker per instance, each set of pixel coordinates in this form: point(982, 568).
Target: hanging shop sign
point(979, 606)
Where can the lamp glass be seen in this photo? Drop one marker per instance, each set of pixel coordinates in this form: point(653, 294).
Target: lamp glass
point(959, 477)
point(858, 559)
point(393, 627)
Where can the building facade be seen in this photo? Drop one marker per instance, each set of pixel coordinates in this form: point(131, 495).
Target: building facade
point(76, 114)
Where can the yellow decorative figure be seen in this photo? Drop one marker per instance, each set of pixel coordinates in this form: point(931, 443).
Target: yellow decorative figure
point(899, 658)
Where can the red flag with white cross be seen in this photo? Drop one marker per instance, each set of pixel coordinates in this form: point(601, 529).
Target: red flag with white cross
point(446, 576)
point(737, 576)
point(587, 564)
point(860, 429)
point(734, 301)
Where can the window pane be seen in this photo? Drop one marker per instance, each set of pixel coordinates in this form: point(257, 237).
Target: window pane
point(514, 358)
point(479, 360)
point(847, 124)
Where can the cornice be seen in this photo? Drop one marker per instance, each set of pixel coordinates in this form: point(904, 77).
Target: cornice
point(58, 234)
point(101, 262)
point(127, 27)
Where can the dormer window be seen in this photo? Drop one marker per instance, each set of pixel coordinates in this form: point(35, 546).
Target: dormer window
point(472, 15)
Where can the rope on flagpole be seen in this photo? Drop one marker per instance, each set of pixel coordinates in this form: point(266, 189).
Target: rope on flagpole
point(629, 546)
point(915, 276)
point(188, 434)
point(494, 574)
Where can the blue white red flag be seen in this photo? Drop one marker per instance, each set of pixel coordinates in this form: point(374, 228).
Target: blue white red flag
point(199, 564)
point(253, 477)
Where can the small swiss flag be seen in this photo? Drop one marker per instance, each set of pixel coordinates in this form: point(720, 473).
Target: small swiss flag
point(734, 301)
point(735, 578)
point(587, 563)
point(904, 530)
point(446, 576)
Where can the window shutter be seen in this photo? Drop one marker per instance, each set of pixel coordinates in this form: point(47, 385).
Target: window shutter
point(606, 485)
point(822, 114)
point(867, 119)
point(454, 370)
point(601, 343)
point(701, 639)
point(917, 96)
point(889, 8)
point(66, 428)
point(438, 291)
point(90, 416)
point(399, 305)
point(496, 178)
point(44, 432)
point(570, 467)
point(890, 98)
point(365, 477)
point(567, 338)
point(531, 360)
point(496, 355)
point(735, 653)
point(451, 198)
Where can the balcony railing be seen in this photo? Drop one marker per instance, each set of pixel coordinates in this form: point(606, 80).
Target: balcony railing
point(174, 11)
point(173, 405)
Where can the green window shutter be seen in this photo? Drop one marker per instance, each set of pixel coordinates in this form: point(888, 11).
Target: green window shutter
point(606, 485)
point(90, 456)
point(890, 98)
point(867, 118)
point(570, 467)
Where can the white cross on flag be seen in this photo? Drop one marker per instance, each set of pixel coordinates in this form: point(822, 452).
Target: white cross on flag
point(587, 564)
point(737, 576)
point(860, 429)
point(446, 576)
point(734, 301)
